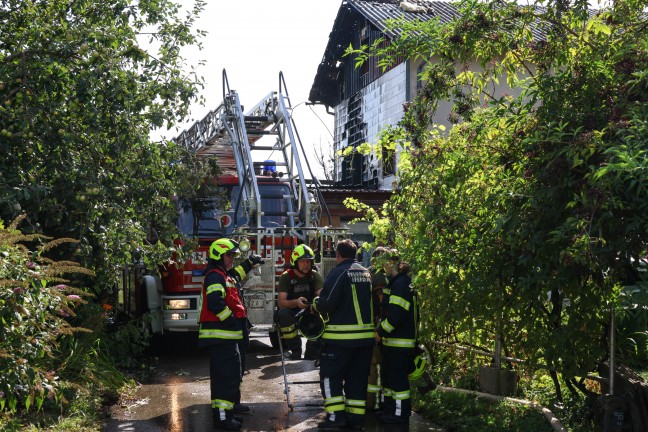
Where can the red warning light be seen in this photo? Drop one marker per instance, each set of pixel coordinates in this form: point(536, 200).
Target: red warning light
point(225, 221)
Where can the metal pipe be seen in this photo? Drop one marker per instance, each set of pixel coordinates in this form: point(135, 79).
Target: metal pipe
point(612, 349)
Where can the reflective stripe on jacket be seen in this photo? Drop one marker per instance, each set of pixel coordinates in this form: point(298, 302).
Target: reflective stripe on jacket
point(398, 327)
point(346, 299)
point(219, 305)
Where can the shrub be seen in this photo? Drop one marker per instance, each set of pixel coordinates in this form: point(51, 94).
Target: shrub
point(36, 306)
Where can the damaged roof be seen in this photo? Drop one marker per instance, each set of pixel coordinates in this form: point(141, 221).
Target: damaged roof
point(378, 11)
point(350, 17)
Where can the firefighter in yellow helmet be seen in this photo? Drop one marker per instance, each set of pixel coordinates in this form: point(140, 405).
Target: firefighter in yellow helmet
point(221, 329)
point(297, 287)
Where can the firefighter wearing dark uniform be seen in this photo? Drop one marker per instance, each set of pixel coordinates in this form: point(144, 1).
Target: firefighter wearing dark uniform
point(397, 331)
point(297, 287)
point(345, 304)
point(221, 329)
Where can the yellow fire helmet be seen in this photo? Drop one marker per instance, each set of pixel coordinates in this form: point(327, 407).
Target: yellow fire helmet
point(301, 251)
point(221, 246)
point(419, 364)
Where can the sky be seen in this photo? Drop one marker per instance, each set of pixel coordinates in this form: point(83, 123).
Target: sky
point(253, 40)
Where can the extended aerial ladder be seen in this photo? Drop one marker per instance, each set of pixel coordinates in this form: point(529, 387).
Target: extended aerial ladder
point(234, 137)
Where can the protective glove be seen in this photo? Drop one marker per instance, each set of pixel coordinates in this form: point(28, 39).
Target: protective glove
point(256, 259)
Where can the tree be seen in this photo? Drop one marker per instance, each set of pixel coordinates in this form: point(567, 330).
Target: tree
point(529, 217)
point(82, 84)
point(325, 159)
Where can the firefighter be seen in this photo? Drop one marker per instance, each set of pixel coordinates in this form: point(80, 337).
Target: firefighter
point(297, 287)
point(397, 331)
point(239, 273)
point(378, 282)
point(345, 303)
point(221, 329)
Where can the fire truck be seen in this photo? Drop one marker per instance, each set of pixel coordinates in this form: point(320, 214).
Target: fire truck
point(262, 199)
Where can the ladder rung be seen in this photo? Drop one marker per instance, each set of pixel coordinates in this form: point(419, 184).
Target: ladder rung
point(256, 147)
point(260, 132)
point(274, 163)
point(280, 213)
point(265, 119)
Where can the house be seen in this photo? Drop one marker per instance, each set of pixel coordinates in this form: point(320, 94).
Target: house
point(367, 99)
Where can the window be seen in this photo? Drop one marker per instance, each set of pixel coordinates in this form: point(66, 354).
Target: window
point(213, 216)
point(388, 162)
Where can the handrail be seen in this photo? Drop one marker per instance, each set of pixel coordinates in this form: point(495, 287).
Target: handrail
point(320, 196)
point(225, 82)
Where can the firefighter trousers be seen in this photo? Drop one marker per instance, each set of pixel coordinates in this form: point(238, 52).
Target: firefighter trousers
point(396, 386)
point(344, 373)
point(225, 378)
point(288, 328)
point(374, 386)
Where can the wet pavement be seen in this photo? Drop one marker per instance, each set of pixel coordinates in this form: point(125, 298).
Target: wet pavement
point(177, 398)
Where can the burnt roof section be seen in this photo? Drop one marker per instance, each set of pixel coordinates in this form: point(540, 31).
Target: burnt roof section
point(349, 18)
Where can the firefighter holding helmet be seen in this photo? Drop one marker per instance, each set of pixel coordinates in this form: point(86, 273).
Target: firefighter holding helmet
point(297, 287)
point(221, 329)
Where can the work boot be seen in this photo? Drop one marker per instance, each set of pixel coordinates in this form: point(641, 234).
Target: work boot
point(355, 426)
point(239, 408)
point(295, 347)
point(393, 419)
point(228, 424)
point(292, 355)
point(328, 424)
point(339, 422)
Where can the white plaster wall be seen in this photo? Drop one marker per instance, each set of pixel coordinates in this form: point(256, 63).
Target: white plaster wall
point(382, 105)
point(443, 111)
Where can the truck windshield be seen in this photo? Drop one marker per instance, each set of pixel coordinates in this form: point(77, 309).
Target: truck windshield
point(214, 216)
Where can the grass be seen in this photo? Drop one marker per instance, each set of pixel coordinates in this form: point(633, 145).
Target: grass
point(85, 413)
point(461, 412)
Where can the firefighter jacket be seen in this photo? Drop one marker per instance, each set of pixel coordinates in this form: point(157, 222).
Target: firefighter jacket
point(220, 309)
point(346, 301)
point(240, 272)
point(296, 286)
point(399, 325)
